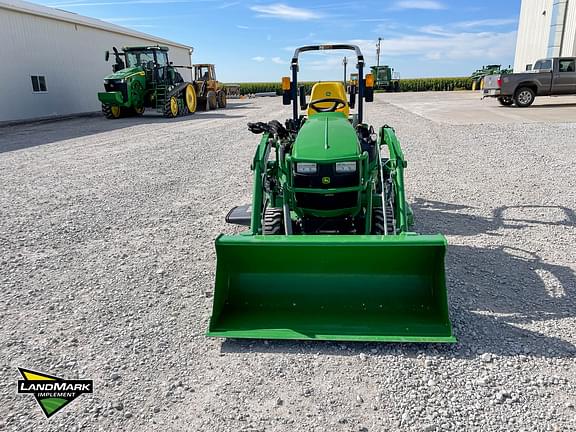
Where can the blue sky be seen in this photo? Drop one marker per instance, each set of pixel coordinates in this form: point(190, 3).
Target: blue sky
point(254, 40)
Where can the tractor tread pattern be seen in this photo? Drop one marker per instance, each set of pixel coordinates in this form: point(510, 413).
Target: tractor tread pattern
point(211, 100)
point(273, 221)
point(107, 111)
point(378, 221)
point(180, 95)
point(167, 112)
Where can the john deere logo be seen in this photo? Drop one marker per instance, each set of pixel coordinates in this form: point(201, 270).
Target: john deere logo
point(51, 393)
point(326, 180)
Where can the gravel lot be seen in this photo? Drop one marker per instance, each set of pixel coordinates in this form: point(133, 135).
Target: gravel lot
point(107, 265)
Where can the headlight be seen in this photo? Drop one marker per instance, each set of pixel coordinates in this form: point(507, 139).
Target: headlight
point(345, 167)
point(306, 168)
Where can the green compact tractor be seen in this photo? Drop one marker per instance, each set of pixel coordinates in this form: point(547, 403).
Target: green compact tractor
point(386, 79)
point(144, 78)
point(328, 254)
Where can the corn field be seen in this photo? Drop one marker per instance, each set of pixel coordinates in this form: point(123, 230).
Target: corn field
point(435, 84)
point(265, 87)
point(406, 85)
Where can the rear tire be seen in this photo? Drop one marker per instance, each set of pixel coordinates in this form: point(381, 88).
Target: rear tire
point(506, 101)
point(273, 221)
point(212, 100)
point(524, 97)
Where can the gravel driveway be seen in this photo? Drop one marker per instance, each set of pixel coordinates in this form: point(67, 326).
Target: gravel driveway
point(107, 266)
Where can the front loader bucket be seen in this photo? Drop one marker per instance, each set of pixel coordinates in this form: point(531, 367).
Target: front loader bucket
point(346, 288)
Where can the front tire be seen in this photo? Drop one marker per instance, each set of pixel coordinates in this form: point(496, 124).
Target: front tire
point(378, 221)
point(221, 99)
point(212, 100)
point(111, 111)
point(524, 97)
point(273, 221)
point(171, 107)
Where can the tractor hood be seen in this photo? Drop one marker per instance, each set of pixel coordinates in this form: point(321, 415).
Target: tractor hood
point(325, 137)
point(125, 73)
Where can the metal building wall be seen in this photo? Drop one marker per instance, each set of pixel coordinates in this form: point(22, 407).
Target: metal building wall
point(71, 56)
point(534, 32)
point(569, 48)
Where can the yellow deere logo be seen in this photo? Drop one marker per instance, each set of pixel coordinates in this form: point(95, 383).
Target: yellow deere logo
point(325, 180)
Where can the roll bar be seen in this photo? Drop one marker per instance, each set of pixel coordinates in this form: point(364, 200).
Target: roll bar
point(360, 65)
point(325, 48)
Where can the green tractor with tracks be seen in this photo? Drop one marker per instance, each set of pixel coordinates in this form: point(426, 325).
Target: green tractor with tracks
point(328, 254)
point(143, 77)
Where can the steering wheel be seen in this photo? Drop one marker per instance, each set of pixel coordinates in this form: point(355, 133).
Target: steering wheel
point(337, 104)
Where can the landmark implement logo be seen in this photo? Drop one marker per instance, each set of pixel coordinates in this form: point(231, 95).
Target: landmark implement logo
point(52, 393)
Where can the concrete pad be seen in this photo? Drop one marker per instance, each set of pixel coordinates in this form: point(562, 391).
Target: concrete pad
point(466, 107)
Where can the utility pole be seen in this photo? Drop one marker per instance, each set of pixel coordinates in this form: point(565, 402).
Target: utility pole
point(345, 62)
point(378, 52)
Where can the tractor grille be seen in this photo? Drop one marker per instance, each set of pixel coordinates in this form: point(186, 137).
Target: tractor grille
point(117, 86)
point(326, 170)
point(327, 202)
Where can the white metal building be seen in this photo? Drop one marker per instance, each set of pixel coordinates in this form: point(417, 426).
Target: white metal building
point(547, 29)
point(53, 61)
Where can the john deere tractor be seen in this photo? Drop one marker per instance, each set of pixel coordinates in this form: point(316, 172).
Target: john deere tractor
point(328, 253)
point(143, 77)
point(386, 79)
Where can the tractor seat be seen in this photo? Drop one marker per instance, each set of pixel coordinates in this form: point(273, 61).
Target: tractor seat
point(332, 89)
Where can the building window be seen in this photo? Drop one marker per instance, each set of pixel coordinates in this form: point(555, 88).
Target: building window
point(38, 83)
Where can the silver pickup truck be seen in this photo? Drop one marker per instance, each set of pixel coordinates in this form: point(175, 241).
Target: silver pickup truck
point(550, 77)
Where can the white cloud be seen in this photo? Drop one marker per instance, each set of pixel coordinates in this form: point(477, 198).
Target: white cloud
point(282, 11)
point(227, 5)
point(420, 4)
point(434, 30)
point(243, 27)
point(495, 22)
point(278, 60)
point(446, 46)
point(258, 59)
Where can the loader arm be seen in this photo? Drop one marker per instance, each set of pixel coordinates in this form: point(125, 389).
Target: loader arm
point(396, 165)
point(258, 169)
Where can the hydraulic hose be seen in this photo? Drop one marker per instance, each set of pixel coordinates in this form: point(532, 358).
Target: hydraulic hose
point(383, 196)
